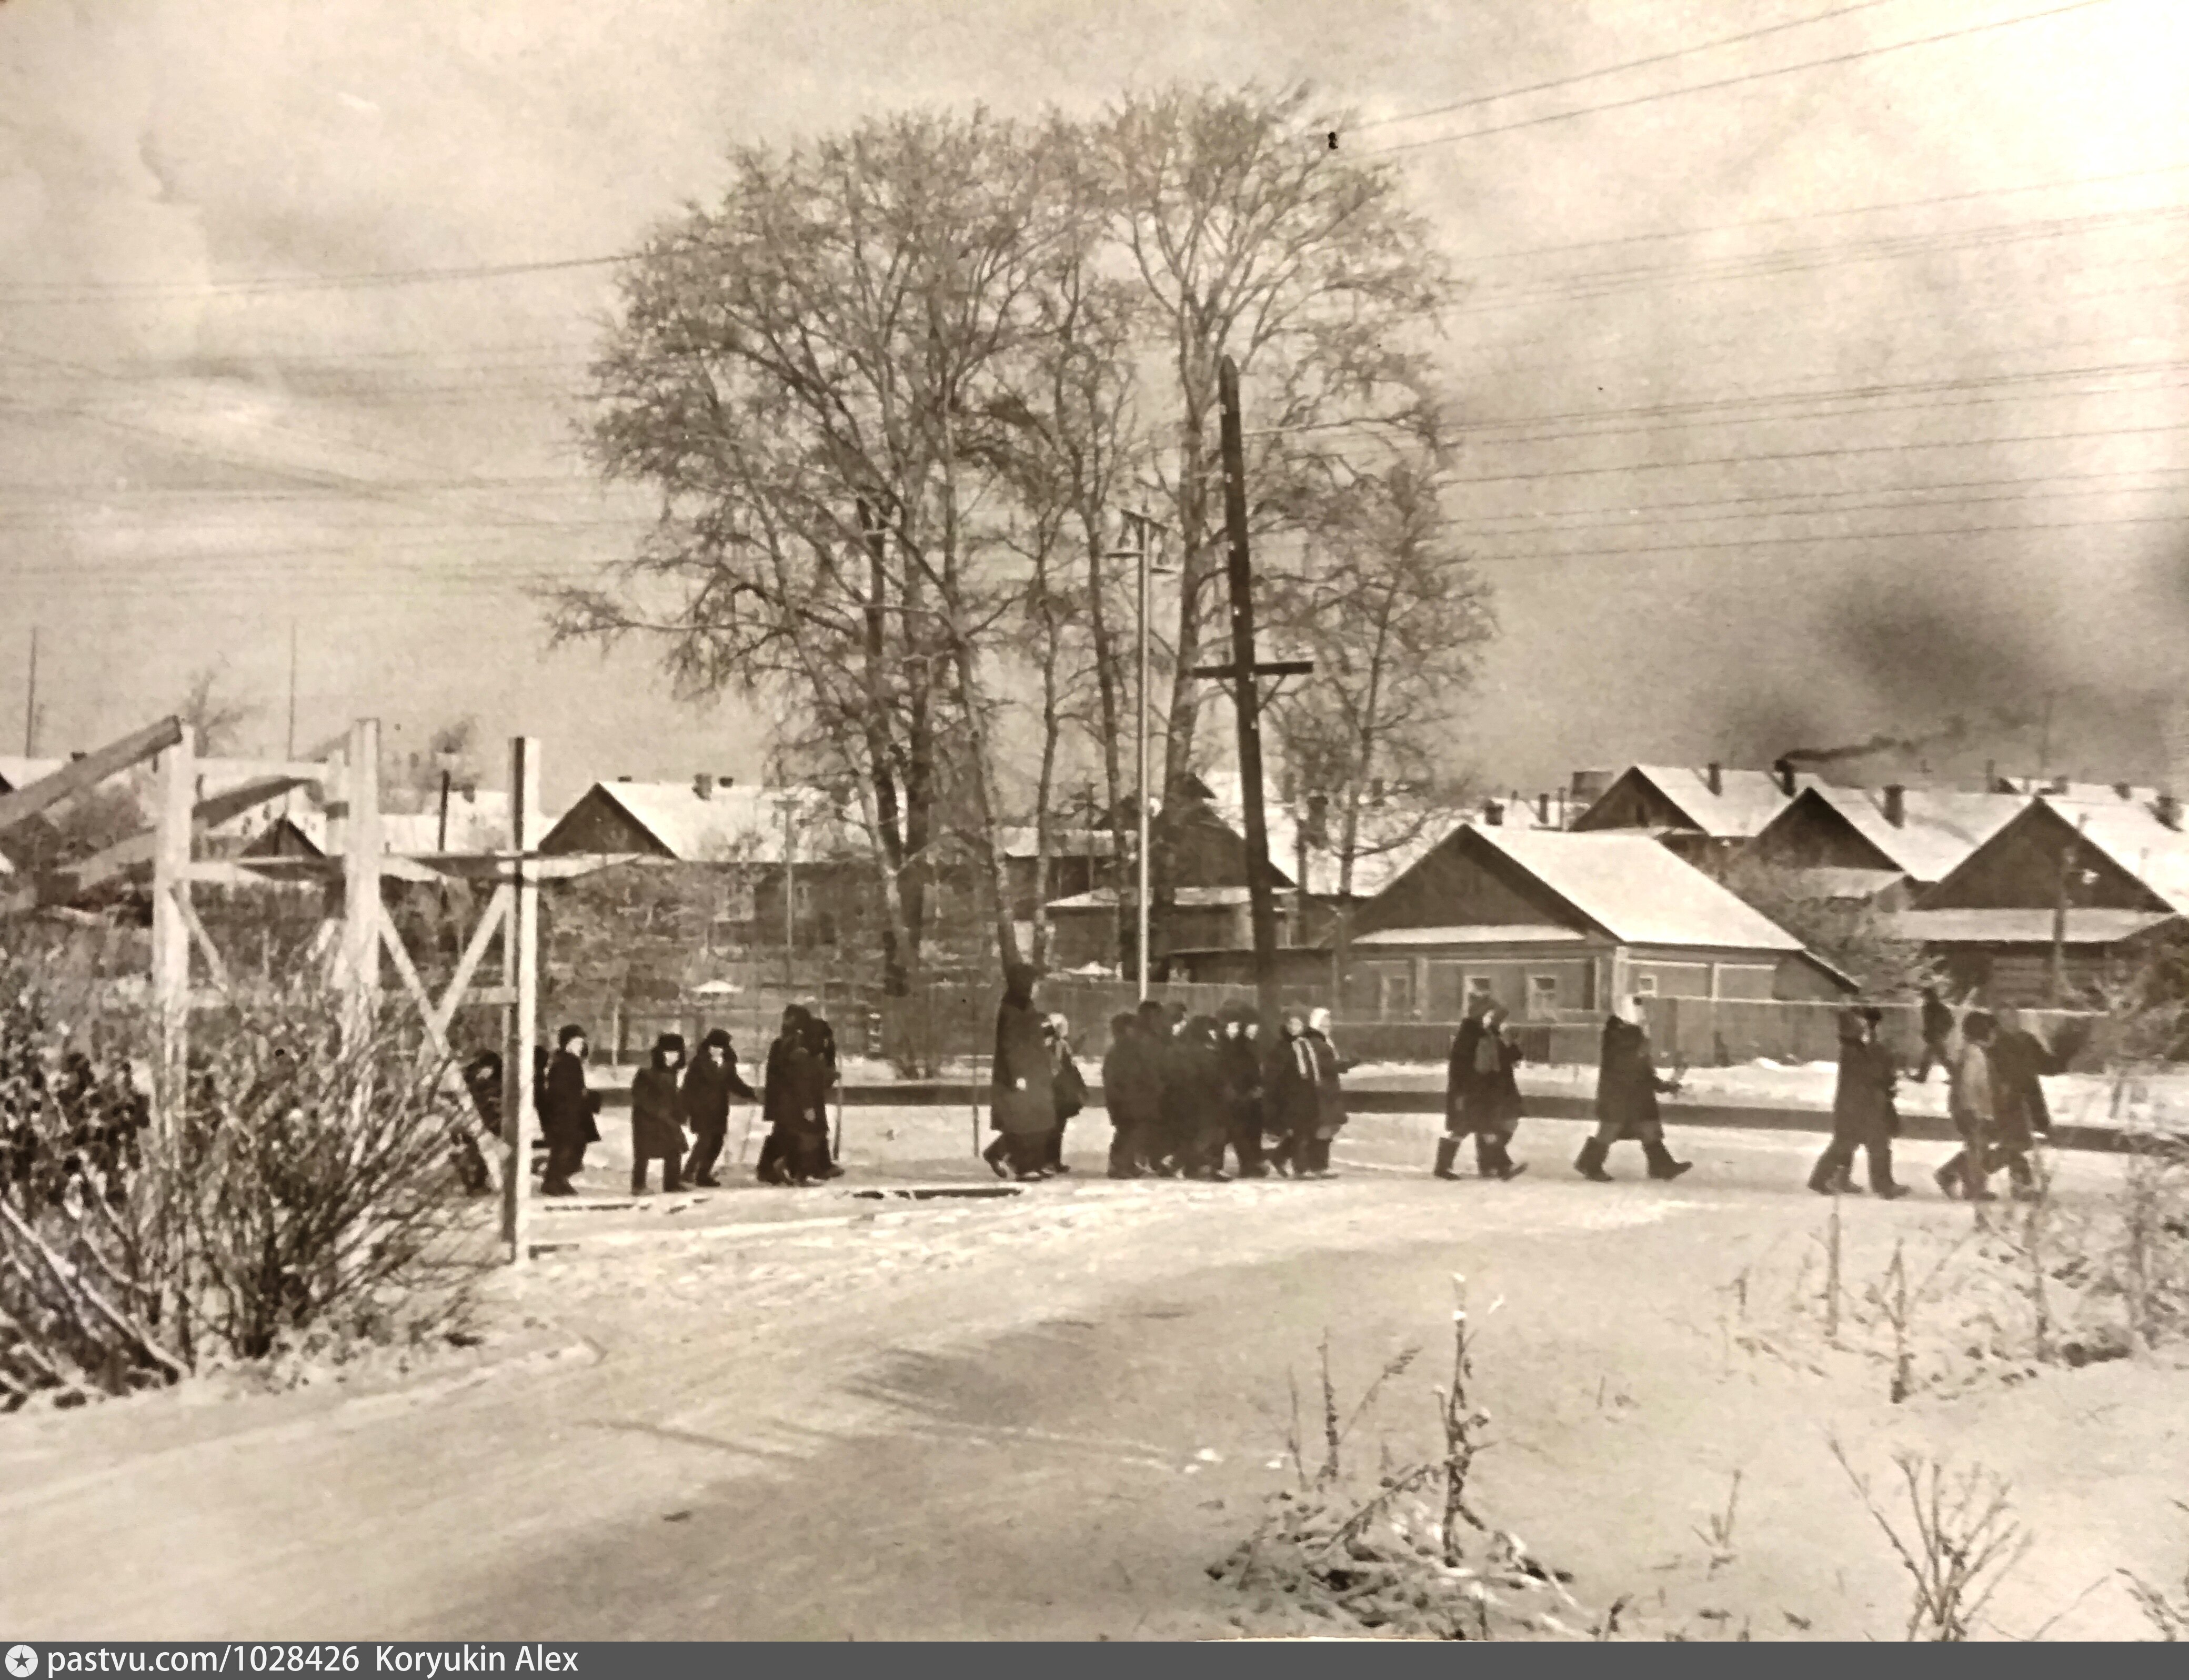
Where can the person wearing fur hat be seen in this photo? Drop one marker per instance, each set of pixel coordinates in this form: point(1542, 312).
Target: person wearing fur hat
point(657, 1128)
point(1242, 1078)
point(567, 1109)
point(708, 1087)
point(1132, 1094)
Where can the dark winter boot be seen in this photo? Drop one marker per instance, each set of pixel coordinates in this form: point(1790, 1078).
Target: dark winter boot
point(1823, 1177)
point(1447, 1152)
point(1948, 1178)
point(1662, 1164)
point(993, 1155)
point(1493, 1160)
point(1589, 1163)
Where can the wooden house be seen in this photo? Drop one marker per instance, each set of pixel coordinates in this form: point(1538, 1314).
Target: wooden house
point(1706, 815)
point(1880, 845)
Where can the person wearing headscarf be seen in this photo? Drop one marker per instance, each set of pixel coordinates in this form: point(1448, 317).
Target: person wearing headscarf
point(656, 1116)
point(1628, 1086)
point(1493, 1097)
point(1971, 1098)
point(708, 1086)
point(1022, 1079)
point(1460, 1076)
point(567, 1108)
point(1863, 1113)
point(1290, 1093)
point(1067, 1084)
point(1243, 1079)
point(1330, 1096)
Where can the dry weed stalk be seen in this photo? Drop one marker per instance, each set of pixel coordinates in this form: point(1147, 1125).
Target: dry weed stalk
point(1832, 1275)
point(1718, 1537)
point(1963, 1541)
point(2168, 1614)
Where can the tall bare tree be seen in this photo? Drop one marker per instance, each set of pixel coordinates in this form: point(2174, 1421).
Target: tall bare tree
point(1252, 238)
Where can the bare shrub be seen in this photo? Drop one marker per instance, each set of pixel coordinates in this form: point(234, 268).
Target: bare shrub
point(2168, 1614)
point(304, 1188)
point(1961, 1540)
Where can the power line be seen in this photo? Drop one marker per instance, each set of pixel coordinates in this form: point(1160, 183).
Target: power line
point(1852, 536)
point(88, 292)
point(1618, 69)
point(1738, 81)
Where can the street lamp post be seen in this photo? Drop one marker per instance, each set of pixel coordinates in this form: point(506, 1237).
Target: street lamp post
point(1142, 527)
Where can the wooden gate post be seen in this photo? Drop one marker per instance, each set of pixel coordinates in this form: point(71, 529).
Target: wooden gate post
point(362, 847)
point(171, 934)
point(520, 947)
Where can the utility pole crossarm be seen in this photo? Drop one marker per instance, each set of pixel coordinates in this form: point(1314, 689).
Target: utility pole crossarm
point(1266, 668)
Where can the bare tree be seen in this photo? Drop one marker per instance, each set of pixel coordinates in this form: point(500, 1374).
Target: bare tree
point(1396, 620)
point(803, 375)
point(217, 713)
point(1253, 240)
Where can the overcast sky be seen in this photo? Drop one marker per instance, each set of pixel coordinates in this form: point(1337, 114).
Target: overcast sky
point(1709, 361)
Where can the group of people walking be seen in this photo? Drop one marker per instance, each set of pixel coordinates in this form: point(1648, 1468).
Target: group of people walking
point(1184, 1092)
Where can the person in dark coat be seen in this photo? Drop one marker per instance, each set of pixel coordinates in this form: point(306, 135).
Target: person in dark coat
point(1459, 1081)
point(1159, 1036)
point(1243, 1079)
point(1863, 1113)
point(1330, 1096)
point(1936, 1021)
point(1290, 1095)
point(823, 1038)
point(708, 1087)
point(1628, 1086)
point(779, 1148)
point(1132, 1093)
point(2019, 1061)
point(482, 1077)
point(1022, 1079)
point(567, 1110)
point(1201, 1100)
point(1493, 1098)
point(1068, 1085)
point(656, 1116)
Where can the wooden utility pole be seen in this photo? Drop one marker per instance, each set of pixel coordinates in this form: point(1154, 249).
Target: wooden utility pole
point(1246, 696)
point(2056, 989)
point(31, 702)
point(361, 853)
point(171, 936)
point(520, 970)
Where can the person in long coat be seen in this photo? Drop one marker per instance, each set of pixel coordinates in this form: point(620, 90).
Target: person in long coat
point(1936, 1019)
point(1863, 1113)
point(1022, 1079)
point(1292, 1098)
point(780, 1148)
point(1200, 1098)
point(1068, 1087)
point(823, 1038)
point(482, 1077)
point(1971, 1098)
point(1330, 1096)
point(1628, 1086)
point(713, 1080)
point(1493, 1098)
point(1132, 1096)
point(656, 1116)
point(1459, 1079)
point(2019, 1061)
point(567, 1108)
point(1158, 1038)
point(1242, 1078)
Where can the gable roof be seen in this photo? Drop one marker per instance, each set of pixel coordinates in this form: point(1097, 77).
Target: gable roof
point(1939, 826)
point(2132, 836)
point(1745, 803)
point(1637, 890)
point(734, 824)
point(1394, 834)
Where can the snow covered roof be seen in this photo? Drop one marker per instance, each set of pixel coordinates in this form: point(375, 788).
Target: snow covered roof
point(1185, 898)
point(1746, 799)
point(1858, 885)
point(1022, 842)
point(1394, 834)
point(2025, 926)
point(1938, 828)
point(2132, 836)
point(736, 824)
point(1473, 933)
point(1637, 890)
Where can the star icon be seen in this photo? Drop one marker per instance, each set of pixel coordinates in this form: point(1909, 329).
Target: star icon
point(22, 1662)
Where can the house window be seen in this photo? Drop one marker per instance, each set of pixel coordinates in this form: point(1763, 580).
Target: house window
point(739, 903)
point(1645, 984)
point(1542, 997)
point(1396, 994)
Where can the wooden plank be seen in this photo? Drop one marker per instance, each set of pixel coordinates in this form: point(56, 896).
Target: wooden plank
point(73, 880)
point(407, 971)
point(201, 938)
point(171, 948)
point(521, 968)
point(88, 771)
point(361, 848)
point(496, 911)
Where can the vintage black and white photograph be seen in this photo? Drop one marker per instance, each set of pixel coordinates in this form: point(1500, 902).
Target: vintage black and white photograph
point(1094, 820)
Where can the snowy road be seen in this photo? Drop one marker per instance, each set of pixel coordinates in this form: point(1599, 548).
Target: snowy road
point(1042, 1416)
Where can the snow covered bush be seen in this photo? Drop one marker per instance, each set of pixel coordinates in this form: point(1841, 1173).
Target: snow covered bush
point(306, 1187)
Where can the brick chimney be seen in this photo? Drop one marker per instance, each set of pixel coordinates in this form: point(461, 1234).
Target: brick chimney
point(703, 784)
point(2168, 810)
point(1895, 805)
point(1784, 770)
point(1493, 814)
point(1543, 809)
point(1714, 777)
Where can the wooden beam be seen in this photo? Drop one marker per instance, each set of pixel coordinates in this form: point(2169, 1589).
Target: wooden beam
point(171, 946)
point(494, 916)
point(201, 939)
point(87, 772)
point(361, 912)
point(408, 971)
point(520, 973)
